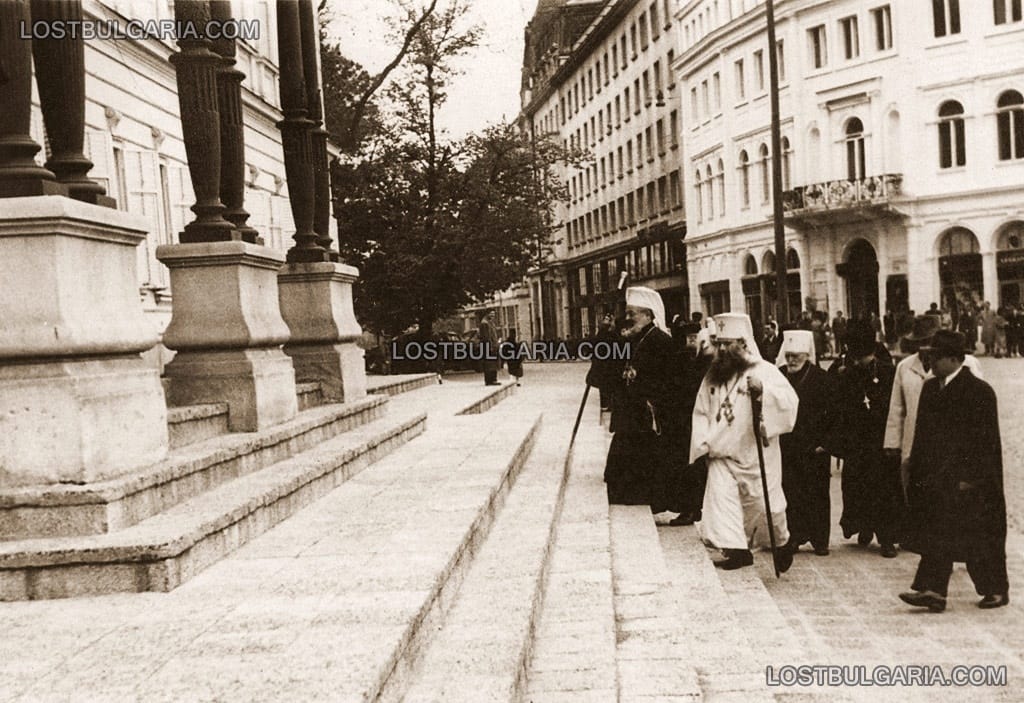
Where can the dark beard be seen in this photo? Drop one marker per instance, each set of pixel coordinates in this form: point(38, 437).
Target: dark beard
point(727, 365)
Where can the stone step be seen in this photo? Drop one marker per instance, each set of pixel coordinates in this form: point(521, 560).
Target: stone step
point(482, 651)
point(163, 551)
point(399, 383)
point(309, 395)
point(574, 646)
point(374, 567)
point(490, 399)
point(108, 506)
point(190, 424)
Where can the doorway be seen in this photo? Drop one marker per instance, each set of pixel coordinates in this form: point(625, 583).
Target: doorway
point(861, 273)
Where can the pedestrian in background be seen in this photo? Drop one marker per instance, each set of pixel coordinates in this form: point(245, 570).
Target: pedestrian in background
point(489, 343)
point(515, 358)
point(987, 319)
point(957, 504)
point(839, 332)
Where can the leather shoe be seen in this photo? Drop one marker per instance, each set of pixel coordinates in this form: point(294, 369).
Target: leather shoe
point(783, 559)
point(864, 538)
point(735, 559)
point(997, 601)
point(925, 599)
point(888, 551)
point(821, 551)
point(684, 519)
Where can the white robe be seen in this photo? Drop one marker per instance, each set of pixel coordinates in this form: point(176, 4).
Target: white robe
point(733, 511)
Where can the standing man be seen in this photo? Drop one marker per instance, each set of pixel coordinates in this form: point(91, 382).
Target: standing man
point(870, 480)
point(690, 480)
point(839, 332)
point(489, 341)
point(734, 511)
point(806, 464)
point(958, 509)
point(644, 418)
point(988, 328)
point(605, 373)
point(911, 374)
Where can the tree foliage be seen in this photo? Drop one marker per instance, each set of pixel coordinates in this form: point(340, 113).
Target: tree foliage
point(434, 224)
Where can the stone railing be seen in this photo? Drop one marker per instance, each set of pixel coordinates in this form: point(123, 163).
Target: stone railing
point(843, 193)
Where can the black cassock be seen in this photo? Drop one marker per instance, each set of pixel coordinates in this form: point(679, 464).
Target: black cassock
point(870, 479)
point(956, 439)
point(645, 423)
point(806, 476)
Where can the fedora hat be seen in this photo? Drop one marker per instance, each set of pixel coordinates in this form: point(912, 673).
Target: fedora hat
point(923, 329)
point(947, 343)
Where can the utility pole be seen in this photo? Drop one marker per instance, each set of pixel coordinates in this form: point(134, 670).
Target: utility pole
point(782, 293)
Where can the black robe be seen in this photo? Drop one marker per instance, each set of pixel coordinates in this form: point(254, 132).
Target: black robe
point(806, 476)
point(645, 421)
point(870, 479)
point(956, 438)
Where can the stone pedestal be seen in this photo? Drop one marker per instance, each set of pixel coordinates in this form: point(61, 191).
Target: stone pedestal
point(77, 404)
point(227, 329)
point(316, 302)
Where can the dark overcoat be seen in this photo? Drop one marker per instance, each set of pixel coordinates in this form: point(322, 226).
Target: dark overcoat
point(489, 344)
point(956, 439)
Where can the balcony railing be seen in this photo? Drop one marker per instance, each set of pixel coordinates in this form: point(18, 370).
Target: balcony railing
point(843, 193)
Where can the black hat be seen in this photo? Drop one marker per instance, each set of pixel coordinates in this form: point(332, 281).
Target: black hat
point(860, 338)
point(947, 343)
point(924, 328)
point(689, 328)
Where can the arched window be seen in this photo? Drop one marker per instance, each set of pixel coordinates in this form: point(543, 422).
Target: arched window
point(1012, 236)
point(952, 149)
point(698, 184)
point(792, 260)
point(787, 173)
point(958, 240)
point(768, 262)
point(721, 188)
point(750, 266)
point(1010, 125)
point(711, 193)
point(766, 175)
point(744, 179)
point(855, 161)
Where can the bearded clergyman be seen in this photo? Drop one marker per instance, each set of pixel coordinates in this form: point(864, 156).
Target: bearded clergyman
point(734, 515)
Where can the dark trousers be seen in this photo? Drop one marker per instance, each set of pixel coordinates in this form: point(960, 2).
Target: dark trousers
point(988, 574)
point(491, 376)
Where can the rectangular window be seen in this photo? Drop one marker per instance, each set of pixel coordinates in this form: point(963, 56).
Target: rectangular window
point(643, 31)
point(716, 83)
point(669, 58)
point(659, 129)
point(705, 95)
point(624, 53)
point(673, 186)
point(620, 161)
point(741, 82)
point(629, 155)
point(817, 46)
point(650, 144)
point(882, 19)
point(625, 101)
point(606, 68)
point(615, 60)
point(673, 129)
point(952, 147)
point(780, 57)
point(946, 17)
point(851, 42)
point(693, 104)
point(655, 28)
point(632, 39)
point(759, 70)
point(637, 97)
point(618, 111)
point(1006, 11)
point(647, 89)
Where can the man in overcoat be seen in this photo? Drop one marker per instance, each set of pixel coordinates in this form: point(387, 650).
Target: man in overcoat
point(806, 464)
point(644, 414)
point(957, 505)
point(489, 342)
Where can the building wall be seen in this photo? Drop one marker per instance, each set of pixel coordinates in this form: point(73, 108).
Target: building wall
point(895, 89)
point(625, 211)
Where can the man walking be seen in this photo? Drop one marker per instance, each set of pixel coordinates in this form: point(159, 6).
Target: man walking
point(734, 511)
point(958, 509)
point(644, 417)
point(806, 464)
point(489, 341)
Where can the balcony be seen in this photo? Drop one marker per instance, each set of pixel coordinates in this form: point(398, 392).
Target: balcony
point(843, 201)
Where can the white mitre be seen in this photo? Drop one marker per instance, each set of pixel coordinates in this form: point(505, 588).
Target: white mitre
point(797, 342)
point(643, 297)
point(736, 325)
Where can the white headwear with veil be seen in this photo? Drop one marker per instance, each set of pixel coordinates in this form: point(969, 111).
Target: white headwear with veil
point(736, 325)
point(643, 297)
point(797, 342)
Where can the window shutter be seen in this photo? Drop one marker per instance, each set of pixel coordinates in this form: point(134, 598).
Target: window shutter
point(143, 181)
point(99, 150)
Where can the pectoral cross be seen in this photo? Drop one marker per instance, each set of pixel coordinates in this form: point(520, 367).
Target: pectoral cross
point(867, 402)
point(725, 409)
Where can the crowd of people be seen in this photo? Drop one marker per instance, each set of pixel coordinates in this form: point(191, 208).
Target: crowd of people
point(739, 435)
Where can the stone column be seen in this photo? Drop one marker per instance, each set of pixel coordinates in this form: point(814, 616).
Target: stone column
point(60, 75)
point(77, 402)
point(20, 175)
point(197, 67)
point(232, 130)
point(295, 135)
point(226, 320)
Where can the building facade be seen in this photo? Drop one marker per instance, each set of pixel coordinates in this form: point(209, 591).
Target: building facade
point(134, 134)
point(597, 76)
point(902, 153)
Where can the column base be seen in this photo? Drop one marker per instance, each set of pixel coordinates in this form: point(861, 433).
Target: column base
point(79, 421)
point(339, 368)
point(257, 384)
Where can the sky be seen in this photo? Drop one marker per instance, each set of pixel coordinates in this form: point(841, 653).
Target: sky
point(488, 88)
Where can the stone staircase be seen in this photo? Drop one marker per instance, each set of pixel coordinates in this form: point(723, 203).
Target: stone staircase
point(157, 527)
